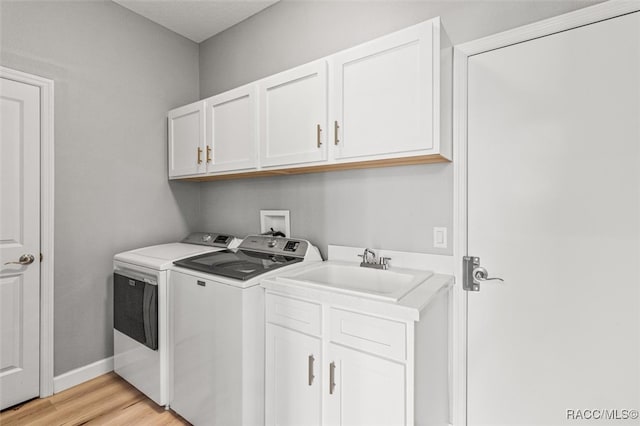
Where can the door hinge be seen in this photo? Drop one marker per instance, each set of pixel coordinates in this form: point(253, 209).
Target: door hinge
point(41, 258)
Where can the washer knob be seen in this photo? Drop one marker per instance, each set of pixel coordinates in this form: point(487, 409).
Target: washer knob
point(206, 238)
point(271, 243)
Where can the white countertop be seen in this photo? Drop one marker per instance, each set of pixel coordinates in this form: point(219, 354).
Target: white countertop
point(407, 308)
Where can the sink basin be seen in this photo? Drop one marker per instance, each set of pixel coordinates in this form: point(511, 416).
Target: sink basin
point(388, 284)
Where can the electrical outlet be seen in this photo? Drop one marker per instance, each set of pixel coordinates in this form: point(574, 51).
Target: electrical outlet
point(439, 237)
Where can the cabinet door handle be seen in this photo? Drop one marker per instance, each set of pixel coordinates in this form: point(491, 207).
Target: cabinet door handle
point(336, 141)
point(318, 131)
point(311, 376)
point(199, 155)
point(332, 377)
point(208, 154)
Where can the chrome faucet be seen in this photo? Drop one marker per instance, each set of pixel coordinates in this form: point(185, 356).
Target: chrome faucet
point(369, 260)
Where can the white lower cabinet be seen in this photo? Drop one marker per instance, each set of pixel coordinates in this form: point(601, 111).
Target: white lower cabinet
point(293, 375)
point(330, 365)
point(366, 390)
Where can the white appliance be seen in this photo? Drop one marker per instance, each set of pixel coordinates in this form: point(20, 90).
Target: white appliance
point(217, 330)
point(140, 310)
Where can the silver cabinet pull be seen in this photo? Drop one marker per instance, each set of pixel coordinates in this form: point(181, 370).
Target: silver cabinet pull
point(336, 141)
point(25, 259)
point(311, 376)
point(199, 155)
point(332, 377)
point(318, 131)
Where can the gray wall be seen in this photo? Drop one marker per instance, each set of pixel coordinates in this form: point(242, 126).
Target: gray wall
point(116, 75)
point(390, 208)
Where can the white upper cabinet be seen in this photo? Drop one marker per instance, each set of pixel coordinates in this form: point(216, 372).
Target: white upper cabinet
point(293, 116)
point(186, 140)
point(232, 130)
point(386, 102)
point(387, 95)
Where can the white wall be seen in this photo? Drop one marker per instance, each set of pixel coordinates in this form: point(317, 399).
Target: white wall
point(394, 208)
point(116, 75)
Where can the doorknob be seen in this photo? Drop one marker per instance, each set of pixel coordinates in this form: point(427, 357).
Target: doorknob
point(25, 259)
point(473, 274)
point(481, 274)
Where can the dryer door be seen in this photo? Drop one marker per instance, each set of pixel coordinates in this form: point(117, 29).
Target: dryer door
point(135, 309)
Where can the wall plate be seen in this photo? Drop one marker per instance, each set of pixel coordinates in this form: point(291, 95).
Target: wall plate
point(440, 237)
point(276, 219)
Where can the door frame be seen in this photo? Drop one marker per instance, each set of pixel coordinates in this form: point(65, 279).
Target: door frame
point(46, 220)
point(462, 53)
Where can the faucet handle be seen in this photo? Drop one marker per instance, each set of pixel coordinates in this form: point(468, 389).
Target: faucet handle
point(384, 262)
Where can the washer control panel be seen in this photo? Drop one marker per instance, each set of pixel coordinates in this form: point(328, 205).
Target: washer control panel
point(275, 245)
point(209, 239)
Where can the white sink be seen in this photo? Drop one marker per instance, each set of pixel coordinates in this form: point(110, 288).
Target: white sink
point(391, 285)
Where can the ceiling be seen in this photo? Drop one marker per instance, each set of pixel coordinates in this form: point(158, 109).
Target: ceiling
point(197, 20)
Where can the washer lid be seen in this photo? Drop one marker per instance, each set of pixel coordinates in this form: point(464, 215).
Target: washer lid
point(162, 256)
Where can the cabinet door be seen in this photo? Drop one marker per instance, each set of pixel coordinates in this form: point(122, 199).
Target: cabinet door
point(293, 378)
point(293, 116)
point(232, 130)
point(383, 96)
point(368, 390)
point(186, 140)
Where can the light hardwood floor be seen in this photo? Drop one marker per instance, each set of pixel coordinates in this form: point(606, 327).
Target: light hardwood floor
point(105, 400)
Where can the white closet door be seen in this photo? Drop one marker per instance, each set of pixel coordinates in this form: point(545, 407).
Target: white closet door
point(553, 209)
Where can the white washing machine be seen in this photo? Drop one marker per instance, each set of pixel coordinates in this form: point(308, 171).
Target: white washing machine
point(217, 333)
point(140, 310)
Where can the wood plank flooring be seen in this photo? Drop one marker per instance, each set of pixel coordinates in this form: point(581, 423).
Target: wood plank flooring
point(105, 400)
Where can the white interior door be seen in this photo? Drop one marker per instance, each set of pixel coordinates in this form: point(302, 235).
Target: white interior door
point(554, 209)
point(19, 241)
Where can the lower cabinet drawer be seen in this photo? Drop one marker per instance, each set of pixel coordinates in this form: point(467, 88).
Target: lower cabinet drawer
point(294, 314)
point(371, 334)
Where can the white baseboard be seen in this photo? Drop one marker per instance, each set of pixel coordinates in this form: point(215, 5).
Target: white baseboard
point(82, 374)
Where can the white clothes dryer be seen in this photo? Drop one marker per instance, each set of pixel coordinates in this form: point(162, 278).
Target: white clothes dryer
point(140, 309)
